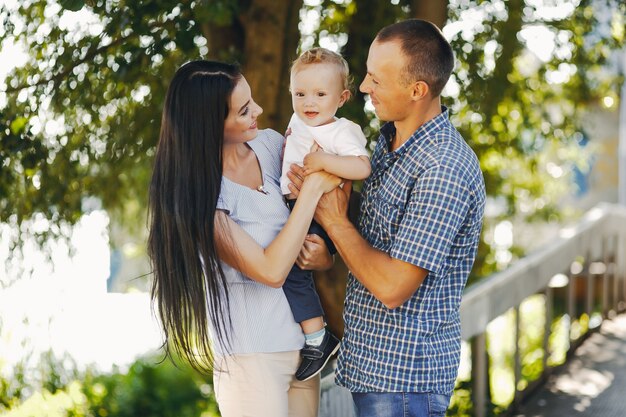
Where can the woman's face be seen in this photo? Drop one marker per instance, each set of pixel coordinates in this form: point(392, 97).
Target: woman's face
point(240, 125)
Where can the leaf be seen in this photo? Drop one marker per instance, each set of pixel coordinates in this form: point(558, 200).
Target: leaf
point(17, 125)
point(72, 5)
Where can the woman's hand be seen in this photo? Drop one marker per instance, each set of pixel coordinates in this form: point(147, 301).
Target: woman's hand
point(314, 255)
point(321, 180)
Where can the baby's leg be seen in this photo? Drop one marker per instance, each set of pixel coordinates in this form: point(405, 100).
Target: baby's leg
point(300, 291)
point(310, 326)
point(320, 344)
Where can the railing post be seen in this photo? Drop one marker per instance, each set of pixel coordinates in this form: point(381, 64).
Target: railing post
point(605, 278)
point(480, 378)
point(571, 300)
point(619, 266)
point(517, 362)
point(621, 144)
point(590, 287)
point(549, 294)
point(614, 273)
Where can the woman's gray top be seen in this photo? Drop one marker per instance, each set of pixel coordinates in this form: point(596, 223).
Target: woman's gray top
point(261, 318)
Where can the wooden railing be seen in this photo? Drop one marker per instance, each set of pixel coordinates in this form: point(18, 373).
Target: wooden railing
point(590, 256)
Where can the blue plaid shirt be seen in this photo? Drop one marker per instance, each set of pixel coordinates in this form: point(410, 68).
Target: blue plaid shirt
point(423, 204)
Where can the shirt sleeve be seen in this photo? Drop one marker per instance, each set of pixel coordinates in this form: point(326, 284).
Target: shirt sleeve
point(434, 215)
point(350, 141)
point(222, 203)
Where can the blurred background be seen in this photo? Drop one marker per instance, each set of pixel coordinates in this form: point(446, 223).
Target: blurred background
point(536, 92)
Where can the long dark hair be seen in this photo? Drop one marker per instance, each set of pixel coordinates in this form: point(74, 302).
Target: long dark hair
point(189, 286)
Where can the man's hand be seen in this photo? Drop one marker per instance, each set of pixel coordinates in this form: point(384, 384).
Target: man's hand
point(333, 206)
point(314, 254)
point(296, 176)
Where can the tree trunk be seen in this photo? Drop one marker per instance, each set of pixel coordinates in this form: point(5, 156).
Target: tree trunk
point(507, 37)
point(363, 26)
point(263, 37)
point(435, 11)
point(225, 42)
point(290, 51)
point(271, 39)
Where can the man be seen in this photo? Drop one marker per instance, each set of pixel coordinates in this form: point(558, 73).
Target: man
point(419, 227)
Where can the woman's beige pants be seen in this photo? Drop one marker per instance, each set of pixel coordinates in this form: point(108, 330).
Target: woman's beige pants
point(263, 385)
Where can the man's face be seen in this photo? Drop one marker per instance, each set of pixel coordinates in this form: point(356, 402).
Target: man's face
point(389, 93)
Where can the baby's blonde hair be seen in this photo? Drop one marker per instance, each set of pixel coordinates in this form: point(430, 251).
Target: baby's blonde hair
point(324, 56)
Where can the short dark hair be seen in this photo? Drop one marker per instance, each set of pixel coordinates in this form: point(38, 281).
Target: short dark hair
point(429, 55)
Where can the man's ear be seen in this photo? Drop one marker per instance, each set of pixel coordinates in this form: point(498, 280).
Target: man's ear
point(345, 95)
point(420, 90)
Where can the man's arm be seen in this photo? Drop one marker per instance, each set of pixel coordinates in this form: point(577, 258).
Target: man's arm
point(390, 280)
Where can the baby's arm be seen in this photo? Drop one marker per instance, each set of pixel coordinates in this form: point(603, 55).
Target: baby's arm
point(348, 167)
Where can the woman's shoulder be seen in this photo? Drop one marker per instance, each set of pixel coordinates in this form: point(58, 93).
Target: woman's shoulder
point(269, 140)
point(269, 137)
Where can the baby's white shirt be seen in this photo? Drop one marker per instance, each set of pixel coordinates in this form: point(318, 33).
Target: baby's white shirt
point(341, 137)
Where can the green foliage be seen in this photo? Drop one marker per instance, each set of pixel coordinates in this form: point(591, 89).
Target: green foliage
point(21, 155)
point(13, 389)
point(46, 373)
point(507, 128)
point(70, 402)
point(148, 388)
point(81, 118)
point(73, 5)
point(461, 402)
point(501, 84)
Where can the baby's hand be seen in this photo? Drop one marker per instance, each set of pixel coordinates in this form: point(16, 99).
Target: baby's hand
point(314, 162)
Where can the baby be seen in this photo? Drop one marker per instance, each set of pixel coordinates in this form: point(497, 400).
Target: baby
point(320, 84)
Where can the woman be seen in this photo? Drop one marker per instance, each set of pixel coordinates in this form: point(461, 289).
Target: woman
point(222, 242)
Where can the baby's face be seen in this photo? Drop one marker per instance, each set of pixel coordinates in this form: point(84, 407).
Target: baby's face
point(316, 93)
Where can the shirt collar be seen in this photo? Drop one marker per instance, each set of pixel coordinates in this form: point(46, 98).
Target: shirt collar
point(388, 130)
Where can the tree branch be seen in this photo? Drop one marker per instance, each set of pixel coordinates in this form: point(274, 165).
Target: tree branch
point(95, 51)
point(511, 46)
